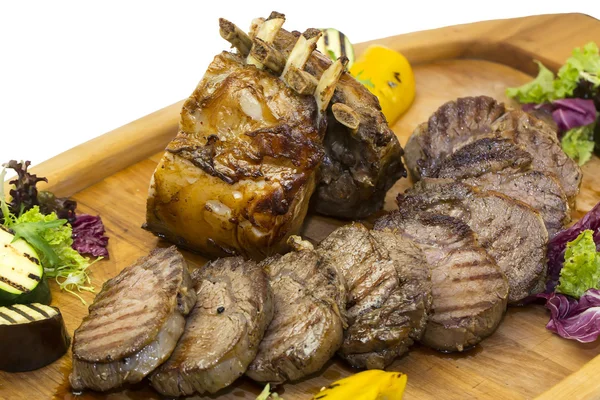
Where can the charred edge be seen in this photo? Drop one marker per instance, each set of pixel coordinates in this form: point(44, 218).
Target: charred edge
point(459, 307)
point(32, 259)
point(39, 310)
point(311, 33)
point(276, 15)
point(480, 277)
point(7, 318)
point(21, 313)
point(34, 277)
point(14, 284)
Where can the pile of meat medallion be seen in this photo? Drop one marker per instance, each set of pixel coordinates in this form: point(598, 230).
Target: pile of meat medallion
point(469, 238)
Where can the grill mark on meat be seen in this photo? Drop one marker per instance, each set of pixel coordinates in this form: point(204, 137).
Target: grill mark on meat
point(492, 275)
point(307, 326)
point(511, 231)
point(134, 322)
point(389, 293)
point(104, 320)
point(469, 291)
point(460, 307)
point(223, 330)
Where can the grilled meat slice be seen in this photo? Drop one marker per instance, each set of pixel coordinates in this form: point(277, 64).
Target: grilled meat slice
point(459, 123)
point(511, 231)
point(542, 142)
point(487, 155)
point(134, 323)
point(453, 125)
point(223, 330)
point(389, 293)
point(361, 162)
point(540, 190)
point(308, 322)
point(238, 177)
point(501, 165)
point(469, 289)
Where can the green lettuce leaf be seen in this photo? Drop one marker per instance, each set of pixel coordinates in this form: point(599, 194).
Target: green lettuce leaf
point(579, 143)
point(581, 270)
point(538, 91)
point(584, 64)
point(53, 238)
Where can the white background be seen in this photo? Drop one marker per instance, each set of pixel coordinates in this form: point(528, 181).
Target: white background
point(71, 71)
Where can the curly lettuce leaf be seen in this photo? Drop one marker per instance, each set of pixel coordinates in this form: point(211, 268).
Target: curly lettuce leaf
point(538, 91)
point(581, 270)
point(579, 143)
point(69, 268)
point(584, 64)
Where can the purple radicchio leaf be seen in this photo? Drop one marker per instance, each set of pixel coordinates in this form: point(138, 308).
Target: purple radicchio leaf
point(558, 244)
point(88, 235)
point(572, 319)
point(572, 113)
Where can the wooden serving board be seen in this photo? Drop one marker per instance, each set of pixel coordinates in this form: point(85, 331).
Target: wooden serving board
point(109, 176)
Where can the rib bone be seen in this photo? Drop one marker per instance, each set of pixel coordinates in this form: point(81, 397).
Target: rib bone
point(267, 32)
point(268, 55)
point(302, 50)
point(234, 35)
point(301, 81)
point(346, 116)
point(328, 81)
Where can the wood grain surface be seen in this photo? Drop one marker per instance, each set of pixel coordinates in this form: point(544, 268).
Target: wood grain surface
point(109, 176)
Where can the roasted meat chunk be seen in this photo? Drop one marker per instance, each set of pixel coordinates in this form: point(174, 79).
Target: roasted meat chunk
point(512, 232)
point(134, 323)
point(363, 157)
point(223, 330)
point(308, 321)
point(469, 291)
point(465, 121)
point(389, 293)
point(238, 177)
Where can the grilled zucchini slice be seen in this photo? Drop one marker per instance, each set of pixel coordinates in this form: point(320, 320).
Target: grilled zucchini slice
point(21, 272)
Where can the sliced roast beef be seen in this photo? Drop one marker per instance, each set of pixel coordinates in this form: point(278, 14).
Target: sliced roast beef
point(223, 330)
point(540, 190)
point(487, 155)
point(469, 289)
point(453, 125)
point(134, 323)
point(308, 322)
point(460, 123)
point(538, 139)
point(389, 293)
point(501, 165)
point(512, 232)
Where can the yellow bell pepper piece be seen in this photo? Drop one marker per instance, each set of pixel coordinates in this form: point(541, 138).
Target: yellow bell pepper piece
point(372, 384)
point(388, 75)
